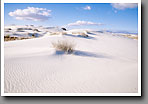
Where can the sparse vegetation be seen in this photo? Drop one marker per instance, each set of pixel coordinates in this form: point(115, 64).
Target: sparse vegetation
point(11, 38)
point(8, 38)
point(80, 33)
point(64, 45)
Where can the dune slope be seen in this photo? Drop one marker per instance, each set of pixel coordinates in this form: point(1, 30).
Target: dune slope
point(101, 63)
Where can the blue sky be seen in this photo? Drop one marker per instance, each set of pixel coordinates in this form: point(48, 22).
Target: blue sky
point(98, 16)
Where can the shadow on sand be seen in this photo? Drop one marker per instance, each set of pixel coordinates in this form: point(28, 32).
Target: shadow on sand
point(59, 52)
point(91, 33)
point(88, 54)
point(82, 53)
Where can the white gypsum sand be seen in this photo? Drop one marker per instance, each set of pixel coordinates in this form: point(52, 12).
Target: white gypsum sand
point(101, 63)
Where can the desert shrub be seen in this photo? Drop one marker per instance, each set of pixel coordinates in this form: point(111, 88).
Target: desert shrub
point(63, 45)
point(80, 33)
point(6, 36)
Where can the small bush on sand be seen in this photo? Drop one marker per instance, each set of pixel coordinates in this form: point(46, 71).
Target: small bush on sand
point(7, 36)
point(64, 45)
point(83, 34)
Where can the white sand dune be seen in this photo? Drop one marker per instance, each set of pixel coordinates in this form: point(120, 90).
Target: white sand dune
point(101, 63)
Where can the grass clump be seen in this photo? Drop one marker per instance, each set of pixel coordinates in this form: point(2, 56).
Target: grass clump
point(63, 45)
point(8, 38)
point(83, 34)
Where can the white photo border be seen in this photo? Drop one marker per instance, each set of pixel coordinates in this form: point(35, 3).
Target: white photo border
point(71, 94)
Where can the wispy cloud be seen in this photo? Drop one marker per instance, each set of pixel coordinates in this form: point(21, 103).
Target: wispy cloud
point(122, 6)
point(87, 8)
point(31, 13)
point(79, 23)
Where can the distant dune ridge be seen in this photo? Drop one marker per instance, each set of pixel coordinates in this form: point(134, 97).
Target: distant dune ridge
point(14, 32)
point(100, 62)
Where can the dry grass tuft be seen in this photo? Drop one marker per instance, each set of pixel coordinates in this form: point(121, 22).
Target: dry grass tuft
point(83, 34)
point(64, 45)
point(11, 38)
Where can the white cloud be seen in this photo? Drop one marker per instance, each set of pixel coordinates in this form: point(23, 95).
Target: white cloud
point(79, 23)
point(87, 8)
point(122, 6)
point(31, 13)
